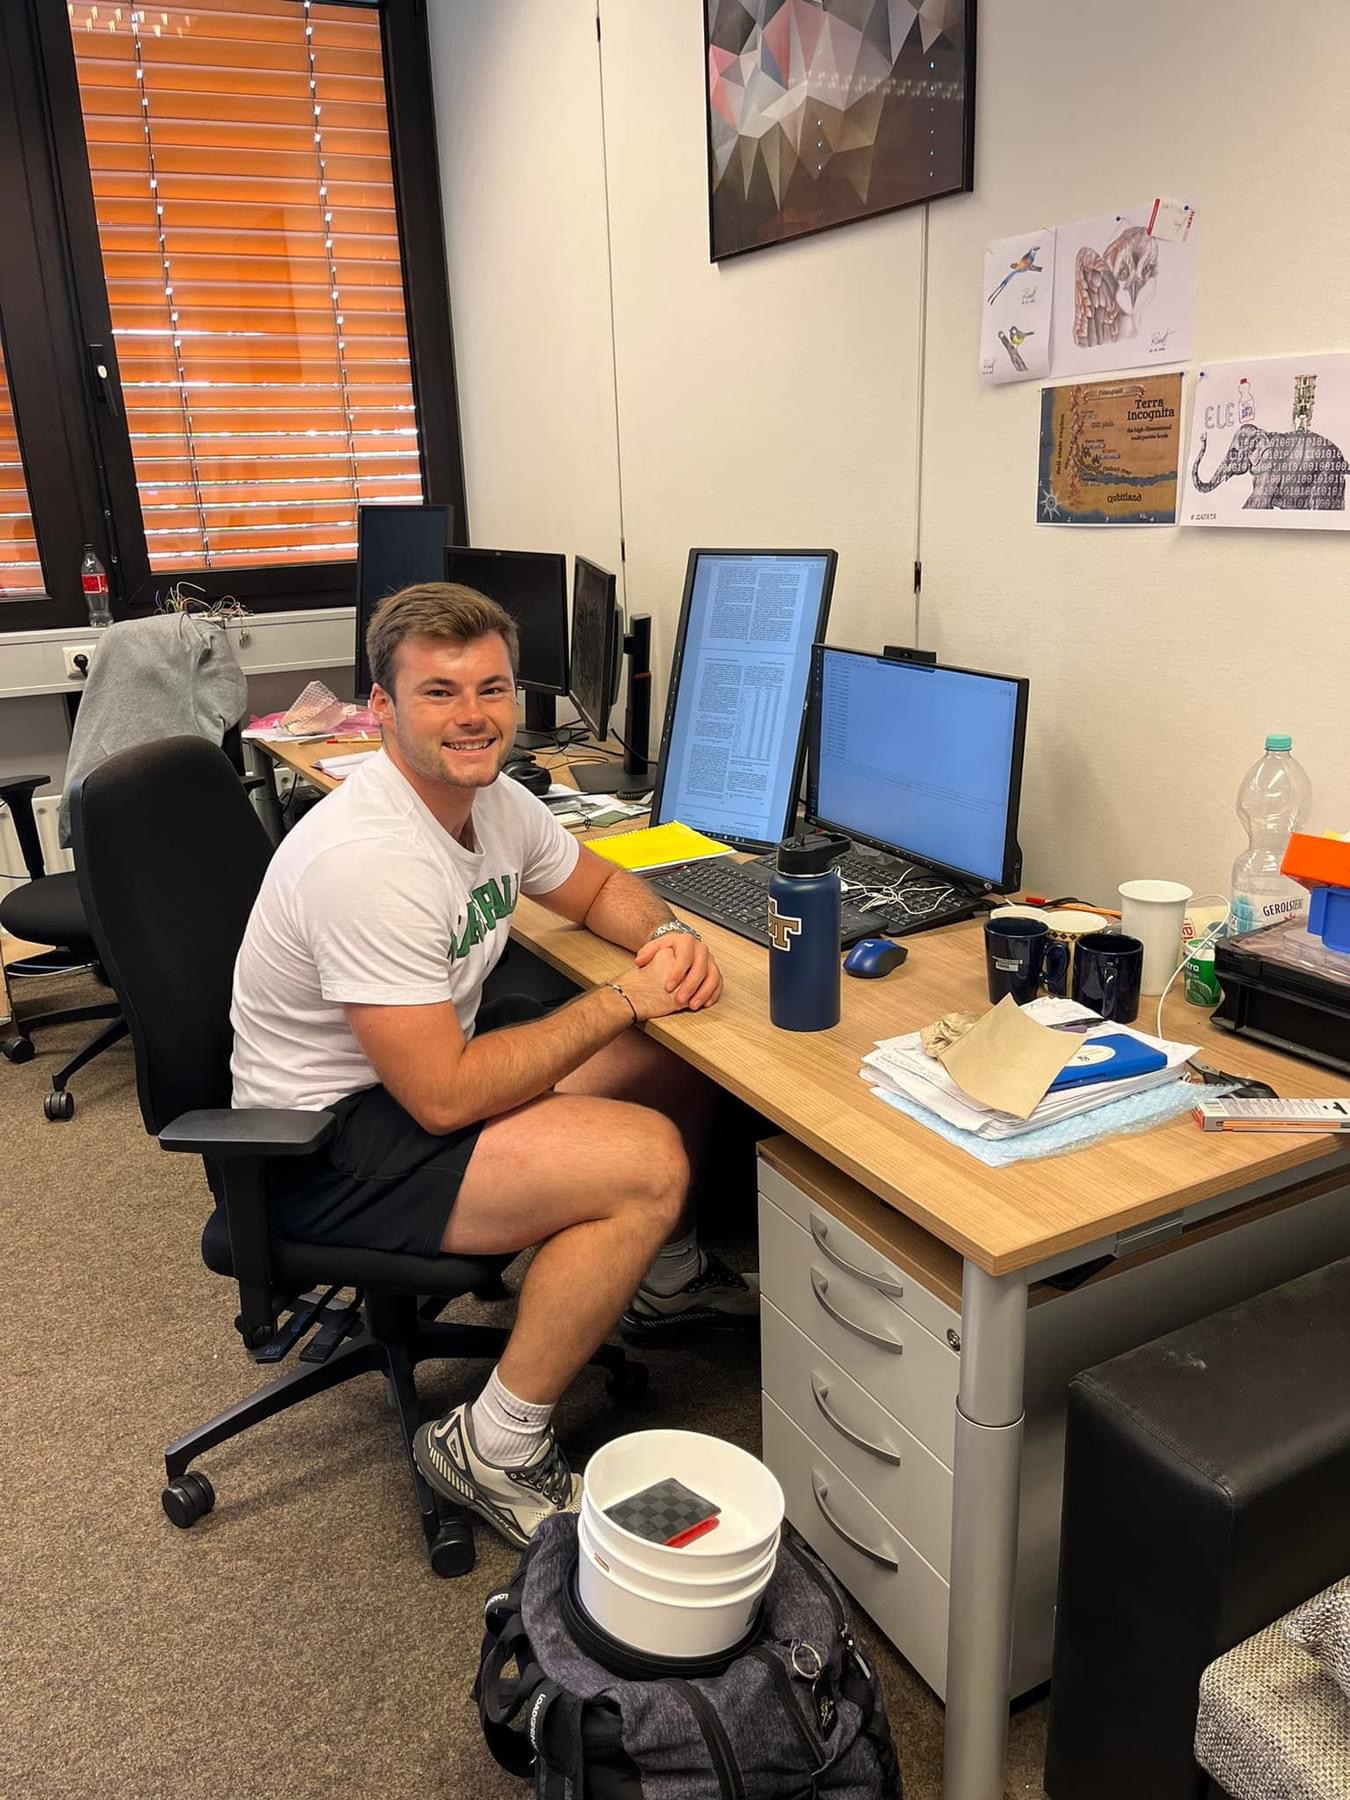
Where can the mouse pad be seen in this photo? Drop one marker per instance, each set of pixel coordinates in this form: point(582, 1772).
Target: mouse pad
point(663, 1511)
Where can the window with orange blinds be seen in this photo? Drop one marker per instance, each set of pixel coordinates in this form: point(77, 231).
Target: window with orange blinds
point(245, 204)
point(20, 569)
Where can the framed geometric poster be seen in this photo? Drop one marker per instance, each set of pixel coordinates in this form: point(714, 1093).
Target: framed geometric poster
point(825, 111)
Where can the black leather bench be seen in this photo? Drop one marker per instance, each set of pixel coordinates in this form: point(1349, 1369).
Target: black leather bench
point(1206, 1492)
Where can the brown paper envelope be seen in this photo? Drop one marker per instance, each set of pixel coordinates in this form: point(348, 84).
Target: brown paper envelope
point(1008, 1060)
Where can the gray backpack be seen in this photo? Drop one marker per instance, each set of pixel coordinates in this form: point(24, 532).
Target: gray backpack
point(792, 1713)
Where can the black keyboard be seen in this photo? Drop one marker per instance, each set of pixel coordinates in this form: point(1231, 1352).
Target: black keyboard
point(736, 895)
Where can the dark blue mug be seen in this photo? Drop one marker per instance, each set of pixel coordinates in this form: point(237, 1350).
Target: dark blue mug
point(1020, 954)
point(1108, 969)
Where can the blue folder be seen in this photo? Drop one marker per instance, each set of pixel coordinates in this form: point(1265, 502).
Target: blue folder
point(1114, 1056)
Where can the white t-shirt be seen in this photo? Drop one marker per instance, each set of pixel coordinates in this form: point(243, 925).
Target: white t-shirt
point(370, 900)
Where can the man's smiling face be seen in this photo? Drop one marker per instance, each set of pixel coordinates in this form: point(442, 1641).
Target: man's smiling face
point(452, 716)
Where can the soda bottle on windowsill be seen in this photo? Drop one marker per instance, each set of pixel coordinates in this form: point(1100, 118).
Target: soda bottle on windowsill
point(94, 582)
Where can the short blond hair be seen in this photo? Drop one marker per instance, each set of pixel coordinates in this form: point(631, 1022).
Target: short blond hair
point(434, 609)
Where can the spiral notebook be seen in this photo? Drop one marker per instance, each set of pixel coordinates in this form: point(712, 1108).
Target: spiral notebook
point(657, 847)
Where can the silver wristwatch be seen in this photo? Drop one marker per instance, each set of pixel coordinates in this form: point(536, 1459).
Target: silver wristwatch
point(675, 925)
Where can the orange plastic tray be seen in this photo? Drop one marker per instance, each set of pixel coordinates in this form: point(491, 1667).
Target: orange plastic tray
point(1317, 861)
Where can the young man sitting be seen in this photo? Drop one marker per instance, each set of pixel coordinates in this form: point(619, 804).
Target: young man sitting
point(479, 1129)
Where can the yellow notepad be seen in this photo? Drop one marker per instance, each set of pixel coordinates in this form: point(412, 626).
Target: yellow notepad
point(658, 847)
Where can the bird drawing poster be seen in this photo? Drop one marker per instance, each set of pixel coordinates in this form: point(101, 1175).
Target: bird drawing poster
point(1110, 452)
point(1124, 294)
point(1019, 275)
point(1269, 444)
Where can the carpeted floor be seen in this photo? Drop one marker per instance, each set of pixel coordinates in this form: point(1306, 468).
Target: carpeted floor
point(294, 1643)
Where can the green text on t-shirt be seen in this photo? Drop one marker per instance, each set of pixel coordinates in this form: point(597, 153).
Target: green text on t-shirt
point(494, 901)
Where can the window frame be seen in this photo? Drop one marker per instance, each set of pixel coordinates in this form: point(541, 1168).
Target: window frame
point(72, 422)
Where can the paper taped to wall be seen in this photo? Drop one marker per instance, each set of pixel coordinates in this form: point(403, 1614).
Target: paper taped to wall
point(1019, 274)
point(1123, 298)
point(1109, 452)
point(1269, 444)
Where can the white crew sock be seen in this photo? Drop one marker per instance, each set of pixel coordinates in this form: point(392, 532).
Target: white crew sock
point(507, 1431)
point(676, 1265)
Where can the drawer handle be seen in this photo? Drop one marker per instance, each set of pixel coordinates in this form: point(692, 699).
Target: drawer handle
point(882, 1452)
point(882, 1339)
point(822, 1494)
point(821, 1233)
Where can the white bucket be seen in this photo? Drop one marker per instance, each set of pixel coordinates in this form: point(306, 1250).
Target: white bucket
point(1153, 912)
point(750, 1499)
point(691, 1601)
point(625, 1603)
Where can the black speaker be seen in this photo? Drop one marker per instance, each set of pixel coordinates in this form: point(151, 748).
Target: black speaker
point(637, 718)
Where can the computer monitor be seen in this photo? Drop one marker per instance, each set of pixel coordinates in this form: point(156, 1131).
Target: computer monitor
point(532, 586)
point(920, 760)
point(396, 547)
point(597, 645)
point(731, 744)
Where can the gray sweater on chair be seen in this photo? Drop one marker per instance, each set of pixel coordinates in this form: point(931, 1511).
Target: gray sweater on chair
point(171, 676)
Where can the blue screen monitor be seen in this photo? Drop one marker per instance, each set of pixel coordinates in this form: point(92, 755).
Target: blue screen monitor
point(919, 760)
point(735, 726)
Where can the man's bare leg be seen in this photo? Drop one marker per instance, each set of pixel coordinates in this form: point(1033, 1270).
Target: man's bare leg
point(599, 1185)
point(685, 1291)
point(601, 1182)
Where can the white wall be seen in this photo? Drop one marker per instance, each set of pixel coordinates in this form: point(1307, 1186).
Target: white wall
point(522, 168)
point(1158, 659)
point(774, 398)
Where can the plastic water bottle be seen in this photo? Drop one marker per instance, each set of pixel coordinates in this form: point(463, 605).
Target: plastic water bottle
point(804, 898)
point(94, 584)
point(1274, 797)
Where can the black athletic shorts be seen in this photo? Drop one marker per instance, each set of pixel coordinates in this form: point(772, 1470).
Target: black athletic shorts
point(381, 1182)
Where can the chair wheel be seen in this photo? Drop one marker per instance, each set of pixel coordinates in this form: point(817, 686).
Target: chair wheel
point(60, 1105)
point(188, 1499)
point(628, 1385)
point(19, 1049)
point(452, 1550)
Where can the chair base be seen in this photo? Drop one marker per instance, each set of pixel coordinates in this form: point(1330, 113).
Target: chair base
point(59, 1104)
point(393, 1338)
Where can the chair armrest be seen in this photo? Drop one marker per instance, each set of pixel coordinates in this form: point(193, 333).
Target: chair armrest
point(227, 1134)
point(17, 792)
point(237, 1143)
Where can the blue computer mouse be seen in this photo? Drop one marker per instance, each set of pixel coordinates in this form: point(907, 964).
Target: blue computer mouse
point(871, 957)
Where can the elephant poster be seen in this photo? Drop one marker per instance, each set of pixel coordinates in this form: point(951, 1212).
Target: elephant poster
point(1268, 444)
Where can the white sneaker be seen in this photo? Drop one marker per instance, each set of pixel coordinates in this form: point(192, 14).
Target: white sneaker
point(512, 1500)
point(716, 1299)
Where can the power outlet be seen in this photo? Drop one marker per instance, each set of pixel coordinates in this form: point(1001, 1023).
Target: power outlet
point(78, 658)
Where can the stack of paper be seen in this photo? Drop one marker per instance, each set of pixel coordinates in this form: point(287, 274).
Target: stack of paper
point(901, 1065)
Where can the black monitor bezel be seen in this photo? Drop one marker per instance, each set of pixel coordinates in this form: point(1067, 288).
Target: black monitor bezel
point(385, 509)
point(613, 649)
point(1011, 872)
point(559, 559)
point(831, 558)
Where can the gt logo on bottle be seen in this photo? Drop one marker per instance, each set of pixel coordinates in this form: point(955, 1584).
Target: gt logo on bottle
point(782, 928)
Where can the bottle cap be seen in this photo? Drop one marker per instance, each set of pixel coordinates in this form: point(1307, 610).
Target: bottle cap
point(1279, 740)
point(809, 852)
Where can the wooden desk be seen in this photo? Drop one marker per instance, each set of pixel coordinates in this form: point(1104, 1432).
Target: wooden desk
point(1010, 1226)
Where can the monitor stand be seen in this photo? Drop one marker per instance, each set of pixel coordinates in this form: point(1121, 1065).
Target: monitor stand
point(541, 722)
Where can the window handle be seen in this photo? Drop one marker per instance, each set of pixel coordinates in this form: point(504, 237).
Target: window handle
point(103, 379)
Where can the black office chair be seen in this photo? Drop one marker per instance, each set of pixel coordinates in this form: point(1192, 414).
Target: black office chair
point(174, 811)
point(48, 910)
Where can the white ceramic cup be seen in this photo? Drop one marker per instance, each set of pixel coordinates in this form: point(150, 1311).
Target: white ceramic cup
point(1153, 912)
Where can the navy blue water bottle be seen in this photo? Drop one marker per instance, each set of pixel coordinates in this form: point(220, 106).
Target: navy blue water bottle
point(804, 934)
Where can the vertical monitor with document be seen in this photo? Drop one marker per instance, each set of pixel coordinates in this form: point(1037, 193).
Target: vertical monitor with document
point(919, 760)
point(734, 731)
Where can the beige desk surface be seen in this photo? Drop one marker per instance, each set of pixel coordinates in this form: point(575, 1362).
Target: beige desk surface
point(807, 1083)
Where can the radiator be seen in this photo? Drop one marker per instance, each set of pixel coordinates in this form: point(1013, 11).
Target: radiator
point(46, 808)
